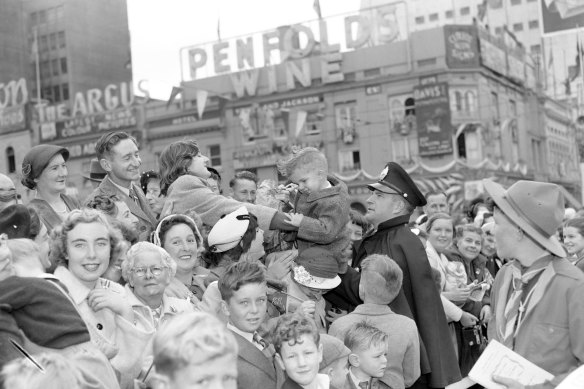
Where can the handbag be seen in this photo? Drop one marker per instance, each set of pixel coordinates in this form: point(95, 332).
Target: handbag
point(473, 337)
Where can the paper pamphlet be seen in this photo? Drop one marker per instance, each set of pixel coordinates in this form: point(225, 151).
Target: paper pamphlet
point(502, 361)
point(478, 292)
point(574, 381)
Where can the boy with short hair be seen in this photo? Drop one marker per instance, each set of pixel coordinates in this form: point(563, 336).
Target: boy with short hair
point(320, 202)
point(368, 358)
point(299, 352)
point(381, 281)
point(244, 301)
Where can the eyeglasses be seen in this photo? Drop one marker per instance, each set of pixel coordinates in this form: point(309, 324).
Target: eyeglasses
point(154, 270)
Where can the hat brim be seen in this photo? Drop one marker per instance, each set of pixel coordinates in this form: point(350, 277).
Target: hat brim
point(498, 194)
point(381, 188)
point(93, 179)
point(322, 283)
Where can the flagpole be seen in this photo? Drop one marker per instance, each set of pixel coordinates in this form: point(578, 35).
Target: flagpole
point(579, 42)
point(37, 68)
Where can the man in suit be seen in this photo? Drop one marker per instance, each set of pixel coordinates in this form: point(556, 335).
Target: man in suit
point(244, 292)
point(119, 156)
point(536, 298)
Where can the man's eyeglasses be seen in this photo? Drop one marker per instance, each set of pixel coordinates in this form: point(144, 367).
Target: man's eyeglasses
point(154, 270)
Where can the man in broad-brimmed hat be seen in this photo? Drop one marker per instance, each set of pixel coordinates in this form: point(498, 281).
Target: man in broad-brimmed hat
point(537, 298)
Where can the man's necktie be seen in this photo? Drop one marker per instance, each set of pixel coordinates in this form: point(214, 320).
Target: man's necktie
point(364, 384)
point(133, 196)
point(259, 340)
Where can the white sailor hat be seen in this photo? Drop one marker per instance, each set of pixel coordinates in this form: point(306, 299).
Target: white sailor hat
point(228, 231)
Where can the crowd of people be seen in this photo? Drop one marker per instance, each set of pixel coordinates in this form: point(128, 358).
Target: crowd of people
point(159, 279)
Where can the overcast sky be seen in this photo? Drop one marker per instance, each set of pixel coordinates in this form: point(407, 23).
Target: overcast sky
point(160, 28)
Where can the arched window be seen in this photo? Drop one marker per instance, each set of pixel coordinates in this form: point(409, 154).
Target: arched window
point(10, 160)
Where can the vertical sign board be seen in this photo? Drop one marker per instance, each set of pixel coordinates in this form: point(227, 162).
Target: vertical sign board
point(462, 48)
point(559, 16)
point(433, 119)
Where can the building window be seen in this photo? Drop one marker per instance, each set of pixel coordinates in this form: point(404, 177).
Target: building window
point(44, 43)
point(51, 15)
point(517, 27)
point(215, 155)
point(10, 160)
point(63, 65)
point(65, 90)
point(495, 107)
point(433, 17)
point(536, 154)
point(533, 24)
point(45, 69)
point(469, 144)
point(34, 18)
point(465, 11)
point(515, 2)
point(419, 20)
point(449, 14)
point(513, 108)
point(349, 160)
point(61, 39)
point(55, 67)
point(53, 41)
point(60, 12)
point(535, 49)
point(345, 120)
point(42, 17)
point(56, 93)
point(313, 122)
point(47, 93)
point(498, 30)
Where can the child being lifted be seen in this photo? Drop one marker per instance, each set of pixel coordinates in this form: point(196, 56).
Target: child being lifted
point(320, 202)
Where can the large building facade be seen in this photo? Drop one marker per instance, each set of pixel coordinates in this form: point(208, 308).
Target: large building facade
point(65, 65)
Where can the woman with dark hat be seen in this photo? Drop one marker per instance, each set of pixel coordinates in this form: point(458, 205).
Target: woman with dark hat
point(44, 169)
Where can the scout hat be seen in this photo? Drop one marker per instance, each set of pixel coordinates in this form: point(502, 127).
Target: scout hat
point(15, 221)
point(395, 180)
point(228, 231)
point(96, 172)
point(317, 268)
point(535, 207)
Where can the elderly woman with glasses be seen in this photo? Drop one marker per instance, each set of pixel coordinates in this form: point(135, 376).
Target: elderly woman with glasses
point(148, 270)
point(84, 247)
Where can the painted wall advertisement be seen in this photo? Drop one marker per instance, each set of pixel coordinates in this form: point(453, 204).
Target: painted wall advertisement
point(462, 50)
point(433, 119)
point(13, 99)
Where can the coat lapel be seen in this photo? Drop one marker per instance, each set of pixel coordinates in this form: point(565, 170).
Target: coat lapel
point(109, 187)
point(254, 356)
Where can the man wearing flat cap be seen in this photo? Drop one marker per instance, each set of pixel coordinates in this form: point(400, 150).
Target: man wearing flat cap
point(393, 199)
point(538, 296)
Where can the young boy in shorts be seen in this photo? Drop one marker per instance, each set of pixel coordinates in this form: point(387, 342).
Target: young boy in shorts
point(320, 202)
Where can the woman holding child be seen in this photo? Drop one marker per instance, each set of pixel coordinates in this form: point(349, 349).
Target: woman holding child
point(183, 180)
point(83, 246)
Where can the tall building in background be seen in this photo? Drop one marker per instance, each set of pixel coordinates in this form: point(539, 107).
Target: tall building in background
point(56, 55)
point(81, 45)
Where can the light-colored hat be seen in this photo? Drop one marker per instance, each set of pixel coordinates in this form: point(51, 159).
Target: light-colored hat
point(536, 207)
point(317, 268)
point(228, 231)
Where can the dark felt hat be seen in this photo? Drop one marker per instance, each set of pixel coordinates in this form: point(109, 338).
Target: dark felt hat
point(37, 159)
point(96, 172)
point(395, 180)
point(15, 221)
point(317, 268)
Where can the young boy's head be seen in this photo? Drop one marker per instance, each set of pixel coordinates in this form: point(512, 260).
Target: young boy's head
point(195, 348)
point(368, 345)
point(335, 360)
point(381, 279)
point(245, 294)
point(308, 168)
point(298, 348)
